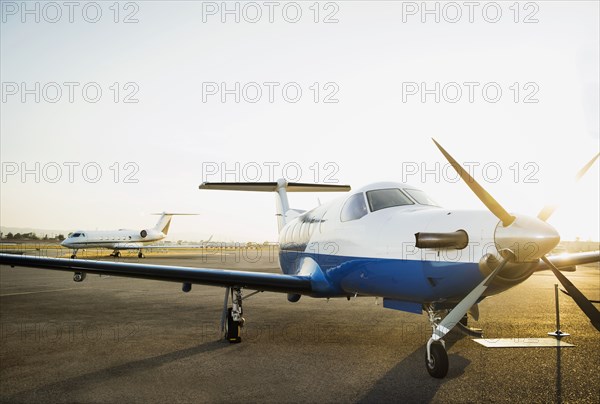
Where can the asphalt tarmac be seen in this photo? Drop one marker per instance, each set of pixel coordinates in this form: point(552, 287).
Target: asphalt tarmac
point(111, 339)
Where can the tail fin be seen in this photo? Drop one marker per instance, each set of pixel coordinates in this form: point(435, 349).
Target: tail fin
point(165, 220)
point(281, 187)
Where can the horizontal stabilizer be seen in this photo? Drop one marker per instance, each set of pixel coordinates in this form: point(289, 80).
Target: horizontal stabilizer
point(272, 187)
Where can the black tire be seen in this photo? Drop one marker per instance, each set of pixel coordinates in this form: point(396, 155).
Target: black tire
point(438, 368)
point(118, 254)
point(140, 255)
point(73, 256)
point(233, 329)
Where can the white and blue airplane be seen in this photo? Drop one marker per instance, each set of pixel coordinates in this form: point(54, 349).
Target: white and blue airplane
point(122, 239)
point(387, 240)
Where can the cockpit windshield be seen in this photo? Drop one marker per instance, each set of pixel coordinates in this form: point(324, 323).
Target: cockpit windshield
point(421, 197)
point(75, 234)
point(387, 198)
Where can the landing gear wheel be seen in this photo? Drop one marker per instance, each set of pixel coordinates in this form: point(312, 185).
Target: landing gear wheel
point(117, 254)
point(73, 256)
point(438, 366)
point(140, 255)
point(233, 329)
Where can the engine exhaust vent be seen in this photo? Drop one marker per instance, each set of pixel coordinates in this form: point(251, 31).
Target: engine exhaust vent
point(456, 240)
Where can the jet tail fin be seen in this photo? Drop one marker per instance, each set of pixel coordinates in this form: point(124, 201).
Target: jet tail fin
point(165, 220)
point(281, 187)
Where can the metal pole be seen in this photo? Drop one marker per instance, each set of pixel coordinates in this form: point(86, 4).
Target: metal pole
point(557, 310)
point(558, 333)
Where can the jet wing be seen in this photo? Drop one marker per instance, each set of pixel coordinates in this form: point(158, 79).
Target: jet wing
point(204, 276)
point(570, 260)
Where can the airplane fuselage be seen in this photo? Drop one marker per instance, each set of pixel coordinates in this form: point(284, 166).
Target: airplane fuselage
point(117, 239)
point(389, 263)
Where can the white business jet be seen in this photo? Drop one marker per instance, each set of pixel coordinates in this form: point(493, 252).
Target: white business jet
point(122, 239)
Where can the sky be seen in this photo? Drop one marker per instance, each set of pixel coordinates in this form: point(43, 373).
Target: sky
point(113, 111)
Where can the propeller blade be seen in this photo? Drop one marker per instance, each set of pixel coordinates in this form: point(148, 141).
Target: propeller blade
point(487, 199)
point(584, 304)
point(586, 167)
point(548, 210)
point(465, 304)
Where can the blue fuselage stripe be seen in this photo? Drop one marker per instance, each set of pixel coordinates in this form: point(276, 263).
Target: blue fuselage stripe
point(409, 280)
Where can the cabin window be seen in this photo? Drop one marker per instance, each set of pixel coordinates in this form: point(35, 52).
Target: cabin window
point(387, 198)
point(354, 208)
point(421, 197)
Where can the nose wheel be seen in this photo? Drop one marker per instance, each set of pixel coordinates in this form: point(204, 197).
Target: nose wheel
point(436, 357)
point(436, 360)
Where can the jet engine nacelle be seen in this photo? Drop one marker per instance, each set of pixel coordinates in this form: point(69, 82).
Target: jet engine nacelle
point(145, 233)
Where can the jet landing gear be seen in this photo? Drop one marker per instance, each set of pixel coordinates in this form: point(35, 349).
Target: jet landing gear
point(232, 319)
point(140, 254)
point(116, 254)
point(436, 357)
point(74, 255)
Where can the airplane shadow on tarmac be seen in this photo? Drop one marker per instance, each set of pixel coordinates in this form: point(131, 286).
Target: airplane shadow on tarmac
point(61, 389)
point(401, 384)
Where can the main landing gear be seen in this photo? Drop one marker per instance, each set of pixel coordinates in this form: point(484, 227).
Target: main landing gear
point(232, 320)
point(436, 357)
point(140, 254)
point(116, 254)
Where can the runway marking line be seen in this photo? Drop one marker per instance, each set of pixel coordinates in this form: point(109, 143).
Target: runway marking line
point(39, 291)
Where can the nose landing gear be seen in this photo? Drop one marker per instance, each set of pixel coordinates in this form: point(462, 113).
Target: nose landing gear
point(436, 357)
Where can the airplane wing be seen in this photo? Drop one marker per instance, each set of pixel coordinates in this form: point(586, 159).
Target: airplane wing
point(204, 276)
point(570, 260)
point(160, 247)
point(218, 277)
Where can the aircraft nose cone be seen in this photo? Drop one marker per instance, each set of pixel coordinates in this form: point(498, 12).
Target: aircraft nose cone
point(525, 239)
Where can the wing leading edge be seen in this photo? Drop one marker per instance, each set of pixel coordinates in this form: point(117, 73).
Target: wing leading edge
point(569, 260)
point(204, 276)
